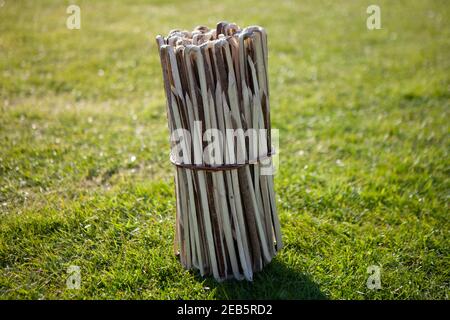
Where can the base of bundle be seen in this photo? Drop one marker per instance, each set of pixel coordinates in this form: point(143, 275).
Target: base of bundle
point(206, 271)
point(227, 223)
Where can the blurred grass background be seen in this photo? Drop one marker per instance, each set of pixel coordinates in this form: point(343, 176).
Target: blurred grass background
point(364, 135)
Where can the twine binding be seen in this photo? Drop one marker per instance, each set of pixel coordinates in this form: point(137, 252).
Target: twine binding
point(222, 167)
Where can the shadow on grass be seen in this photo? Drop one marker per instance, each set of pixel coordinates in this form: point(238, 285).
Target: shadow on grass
point(276, 281)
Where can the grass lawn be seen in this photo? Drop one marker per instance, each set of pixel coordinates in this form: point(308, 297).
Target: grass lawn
point(363, 180)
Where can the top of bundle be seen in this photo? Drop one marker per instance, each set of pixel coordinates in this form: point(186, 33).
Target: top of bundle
point(202, 35)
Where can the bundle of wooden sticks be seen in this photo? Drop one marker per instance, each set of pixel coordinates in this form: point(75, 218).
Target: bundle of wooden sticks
point(216, 83)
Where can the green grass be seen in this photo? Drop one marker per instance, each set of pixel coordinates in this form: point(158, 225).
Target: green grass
point(364, 136)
